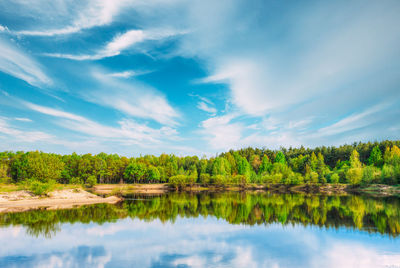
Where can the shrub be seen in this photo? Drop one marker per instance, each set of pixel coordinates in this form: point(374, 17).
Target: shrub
point(335, 178)
point(311, 177)
point(322, 180)
point(91, 181)
point(241, 180)
point(219, 180)
point(191, 180)
point(388, 174)
point(354, 176)
point(178, 181)
point(371, 174)
point(40, 188)
point(76, 180)
point(277, 178)
point(204, 179)
point(266, 179)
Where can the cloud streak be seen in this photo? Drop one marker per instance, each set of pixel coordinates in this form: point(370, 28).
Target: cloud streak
point(120, 43)
point(15, 62)
point(133, 99)
point(128, 132)
point(95, 13)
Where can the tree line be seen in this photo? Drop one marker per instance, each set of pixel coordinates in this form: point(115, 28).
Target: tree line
point(359, 163)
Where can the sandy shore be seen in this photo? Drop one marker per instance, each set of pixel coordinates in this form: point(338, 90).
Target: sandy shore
point(68, 198)
point(341, 189)
point(159, 188)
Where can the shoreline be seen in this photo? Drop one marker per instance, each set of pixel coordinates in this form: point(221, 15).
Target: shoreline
point(373, 189)
point(19, 201)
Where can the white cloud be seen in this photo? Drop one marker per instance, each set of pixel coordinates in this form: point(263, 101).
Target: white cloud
point(352, 122)
point(124, 74)
point(355, 255)
point(95, 13)
point(23, 139)
point(133, 99)
point(128, 132)
point(276, 75)
point(22, 119)
point(128, 73)
point(119, 43)
point(206, 107)
point(308, 74)
point(24, 136)
point(14, 62)
point(221, 133)
point(299, 124)
point(3, 28)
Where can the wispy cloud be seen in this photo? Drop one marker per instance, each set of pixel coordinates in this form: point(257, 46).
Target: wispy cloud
point(206, 107)
point(23, 136)
point(128, 73)
point(133, 99)
point(351, 122)
point(119, 43)
point(95, 13)
point(124, 74)
point(22, 119)
point(128, 132)
point(15, 62)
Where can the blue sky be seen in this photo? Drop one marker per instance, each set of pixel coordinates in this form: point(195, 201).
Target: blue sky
point(197, 77)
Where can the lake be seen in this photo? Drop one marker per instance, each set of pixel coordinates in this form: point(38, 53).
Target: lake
point(230, 229)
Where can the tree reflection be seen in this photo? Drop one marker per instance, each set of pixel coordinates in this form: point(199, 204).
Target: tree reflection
point(358, 212)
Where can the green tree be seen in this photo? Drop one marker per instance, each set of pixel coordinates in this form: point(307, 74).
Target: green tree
point(313, 162)
point(265, 166)
point(244, 167)
point(221, 167)
point(38, 166)
point(153, 174)
point(355, 160)
point(91, 181)
point(280, 158)
point(375, 157)
point(135, 172)
point(335, 178)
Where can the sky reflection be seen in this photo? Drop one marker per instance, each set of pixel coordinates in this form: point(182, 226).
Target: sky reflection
point(196, 242)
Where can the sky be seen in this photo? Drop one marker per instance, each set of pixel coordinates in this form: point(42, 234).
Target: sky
point(197, 77)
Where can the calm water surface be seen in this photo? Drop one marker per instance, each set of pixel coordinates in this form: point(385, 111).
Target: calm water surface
point(208, 230)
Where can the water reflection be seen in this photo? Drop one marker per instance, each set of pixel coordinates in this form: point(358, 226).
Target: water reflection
point(359, 212)
point(208, 230)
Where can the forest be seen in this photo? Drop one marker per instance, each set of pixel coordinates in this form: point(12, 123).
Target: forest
point(355, 164)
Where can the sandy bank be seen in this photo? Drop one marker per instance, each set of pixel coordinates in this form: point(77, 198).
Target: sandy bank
point(329, 189)
point(159, 188)
point(68, 198)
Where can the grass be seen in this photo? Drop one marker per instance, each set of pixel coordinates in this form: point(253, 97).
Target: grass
point(6, 188)
point(12, 187)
